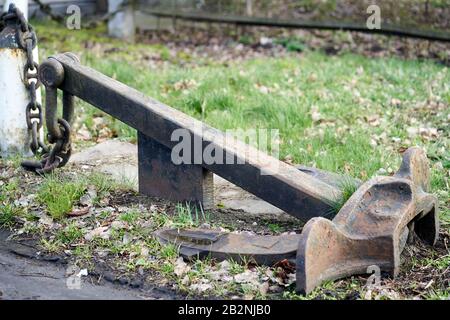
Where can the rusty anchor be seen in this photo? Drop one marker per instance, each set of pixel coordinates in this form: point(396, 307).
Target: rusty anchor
point(372, 228)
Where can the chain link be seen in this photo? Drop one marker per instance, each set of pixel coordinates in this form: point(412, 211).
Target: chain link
point(2, 20)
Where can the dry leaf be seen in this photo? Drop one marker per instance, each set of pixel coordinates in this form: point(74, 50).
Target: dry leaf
point(79, 213)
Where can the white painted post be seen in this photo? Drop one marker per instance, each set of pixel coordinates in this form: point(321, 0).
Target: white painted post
point(14, 97)
point(249, 8)
point(121, 24)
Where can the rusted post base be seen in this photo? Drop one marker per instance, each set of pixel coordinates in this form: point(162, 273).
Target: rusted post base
point(159, 177)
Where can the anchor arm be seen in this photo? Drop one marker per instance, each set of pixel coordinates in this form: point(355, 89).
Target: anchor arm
point(371, 228)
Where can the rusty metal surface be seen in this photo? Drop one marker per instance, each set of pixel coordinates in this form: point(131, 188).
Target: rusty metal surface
point(297, 193)
point(159, 177)
point(8, 35)
point(242, 247)
point(371, 228)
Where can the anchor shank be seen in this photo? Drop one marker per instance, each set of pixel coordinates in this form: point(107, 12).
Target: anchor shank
point(278, 183)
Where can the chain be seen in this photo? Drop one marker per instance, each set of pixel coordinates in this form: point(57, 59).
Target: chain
point(59, 129)
point(58, 132)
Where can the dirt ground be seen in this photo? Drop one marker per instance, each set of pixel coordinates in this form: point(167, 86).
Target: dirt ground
point(414, 280)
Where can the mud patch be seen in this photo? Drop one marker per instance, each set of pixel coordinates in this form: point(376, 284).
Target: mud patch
point(26, 275)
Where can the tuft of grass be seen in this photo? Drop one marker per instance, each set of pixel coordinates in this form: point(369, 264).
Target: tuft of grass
point(291, 44)
point(8, 211)
point(275, 228)
point(169, 252)
point(317, 293)
point(51, 246)
point(348, 188)
point(59, 195)
point(103, 184)
point(9, 189)
point(236, 267)
point(246, 40)
point(167, 269)
point(83, 253)
point(70, 234)
point(14, 161)
point(439, 295)
point(189, 216)
point(130, 216)
point(8, 215)
point(440, 263)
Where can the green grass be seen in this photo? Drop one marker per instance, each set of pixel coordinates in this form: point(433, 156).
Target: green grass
point(169, 251)
point(292, 44)
point(440, 263)
point(348, 187)
point(188, 216)
point(236, 268)
point(275, 228)
point(130, 216)
point(8, 190)
point(69, 235)
point(103, 185)
point(59, 195)
point(8, 215)
point(9, 212)
point(51, 246)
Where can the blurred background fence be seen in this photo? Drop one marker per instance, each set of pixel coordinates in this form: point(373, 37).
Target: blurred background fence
point(432, 14)
point(420, 14)
point(412, 15)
